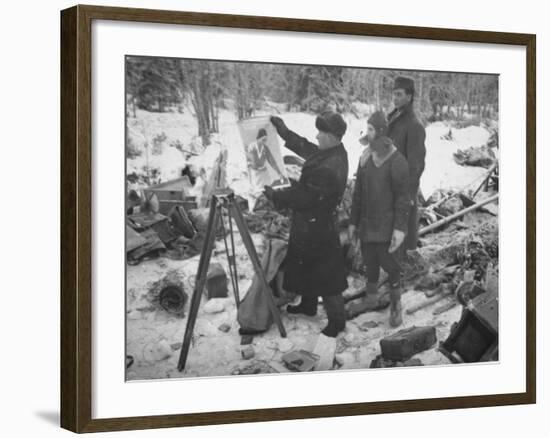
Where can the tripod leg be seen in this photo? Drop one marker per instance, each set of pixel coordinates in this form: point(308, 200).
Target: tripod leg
point(237, 293)
point(200, 281)
point(231, 264)
point(247, 240)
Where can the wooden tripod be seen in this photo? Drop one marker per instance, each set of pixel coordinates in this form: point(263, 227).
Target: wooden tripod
point(224, 198)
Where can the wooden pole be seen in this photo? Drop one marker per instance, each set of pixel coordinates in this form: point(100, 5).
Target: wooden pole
point(489, 173)
point(457, 215)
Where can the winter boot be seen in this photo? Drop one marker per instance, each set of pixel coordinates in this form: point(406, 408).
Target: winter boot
point(336, 313)
point(371, 302)
point(395, 305)
point(308, 306)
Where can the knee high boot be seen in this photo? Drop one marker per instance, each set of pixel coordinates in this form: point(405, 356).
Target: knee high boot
point(395, 305)
point(336, 313)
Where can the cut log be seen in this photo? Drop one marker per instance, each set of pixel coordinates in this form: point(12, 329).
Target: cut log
point(168, 293)
point(444, 293)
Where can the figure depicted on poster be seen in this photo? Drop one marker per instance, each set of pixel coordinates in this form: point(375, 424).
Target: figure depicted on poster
point(263, 154)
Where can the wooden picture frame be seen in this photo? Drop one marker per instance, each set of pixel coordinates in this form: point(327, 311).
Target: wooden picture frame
point(76, 217)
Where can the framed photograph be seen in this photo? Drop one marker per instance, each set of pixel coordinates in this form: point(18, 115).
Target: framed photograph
point(268, 218)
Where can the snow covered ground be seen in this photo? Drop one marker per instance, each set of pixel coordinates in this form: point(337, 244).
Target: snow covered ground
point(154, 337)
point(440, 172)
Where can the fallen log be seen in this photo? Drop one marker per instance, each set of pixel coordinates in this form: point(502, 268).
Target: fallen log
point(429, 301)
point(461, 213)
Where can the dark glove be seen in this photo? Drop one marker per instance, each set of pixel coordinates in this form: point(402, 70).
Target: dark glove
point(280, 126)
point(268, 192)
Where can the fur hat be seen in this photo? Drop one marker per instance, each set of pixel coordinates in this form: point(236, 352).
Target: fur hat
point(332, 123)
point(405, 83)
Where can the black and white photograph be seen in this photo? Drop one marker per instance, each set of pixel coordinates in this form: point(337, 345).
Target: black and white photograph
point(288, 218)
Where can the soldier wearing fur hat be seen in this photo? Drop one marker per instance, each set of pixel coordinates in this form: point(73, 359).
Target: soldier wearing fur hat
point(408, 135)
point(314, 265)
point(379, 210)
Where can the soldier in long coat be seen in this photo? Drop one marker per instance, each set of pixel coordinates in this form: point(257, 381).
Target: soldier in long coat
point(314, 265)
point(408, 135)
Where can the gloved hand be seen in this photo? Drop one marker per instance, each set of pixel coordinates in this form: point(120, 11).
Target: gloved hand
point(280, 126)
point(268, 192)
point(396, 240)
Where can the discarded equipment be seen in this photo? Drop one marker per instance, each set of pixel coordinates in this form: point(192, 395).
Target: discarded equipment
point(224, 199)
point(300, 360)
point(170, 194)
point(475, 337)
point(405, 343)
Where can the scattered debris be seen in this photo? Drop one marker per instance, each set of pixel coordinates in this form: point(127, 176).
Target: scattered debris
point(247, 352)
point(448, 136)
point(454, 216)
point(246, 339)
point(300, 360)
point(430, 281)
point(482, 156)
point(380, 362)
point(152, 248)
point(444, 290)
point(368, 325)
point(157, 222)
point(445, 307)
point(216, 282)
point(176, 346)
point(181, 222)
point(224, 328)
point(254, 367)
point(407, 342)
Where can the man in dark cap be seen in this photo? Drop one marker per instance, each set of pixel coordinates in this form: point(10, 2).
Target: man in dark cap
point(379, 210)
point(408, 135)
point(314, 265)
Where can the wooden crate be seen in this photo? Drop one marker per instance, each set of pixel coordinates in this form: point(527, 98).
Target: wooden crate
point(172, 193)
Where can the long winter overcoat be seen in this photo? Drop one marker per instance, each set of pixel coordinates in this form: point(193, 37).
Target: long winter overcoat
point(314, 264)
point(409, 136)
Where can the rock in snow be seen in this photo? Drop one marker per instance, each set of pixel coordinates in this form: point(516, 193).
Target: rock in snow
point(247, 352)
point(215, 305)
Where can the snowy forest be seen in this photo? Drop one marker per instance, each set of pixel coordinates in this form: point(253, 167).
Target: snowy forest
point(166, 84)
